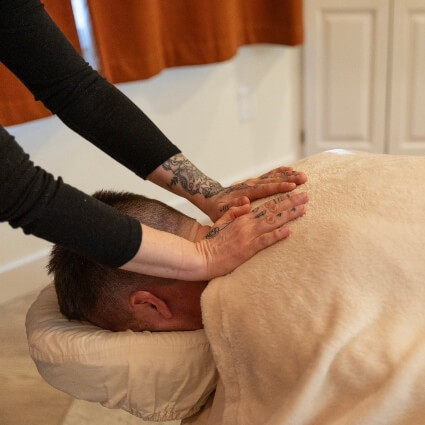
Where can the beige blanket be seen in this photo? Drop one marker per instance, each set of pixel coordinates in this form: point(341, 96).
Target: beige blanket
point(328, 326)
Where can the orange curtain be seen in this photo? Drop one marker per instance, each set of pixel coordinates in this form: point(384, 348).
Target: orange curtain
point(17, 104)
point(136, 39)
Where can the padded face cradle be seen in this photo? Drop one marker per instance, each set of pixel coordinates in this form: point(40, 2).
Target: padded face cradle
point(157, 376)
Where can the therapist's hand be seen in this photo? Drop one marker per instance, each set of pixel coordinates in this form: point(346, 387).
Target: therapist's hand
point(279, 180)
point(180, 176)
point(241, 233)
point(232, 240)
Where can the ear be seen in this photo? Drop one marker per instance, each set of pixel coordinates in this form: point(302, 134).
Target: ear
point(148, 304)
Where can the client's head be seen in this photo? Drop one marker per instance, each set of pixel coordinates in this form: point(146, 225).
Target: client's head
point(117, 300)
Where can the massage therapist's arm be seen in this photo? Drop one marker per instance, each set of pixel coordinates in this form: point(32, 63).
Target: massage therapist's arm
point(30, 198)
point(41, 205)
point(37, 52)
point(180, 176)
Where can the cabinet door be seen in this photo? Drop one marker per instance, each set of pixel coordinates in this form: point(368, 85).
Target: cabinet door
point(407, 107)
point(345, 74)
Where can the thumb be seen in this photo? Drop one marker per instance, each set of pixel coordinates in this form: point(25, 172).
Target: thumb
point(236, 202)
point(235, 212)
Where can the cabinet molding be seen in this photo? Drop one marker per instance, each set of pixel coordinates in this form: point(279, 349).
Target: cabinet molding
point(406, 124)
point(346, 54)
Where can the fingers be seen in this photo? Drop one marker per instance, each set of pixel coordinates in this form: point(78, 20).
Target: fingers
point(282, 202)
point(277, 219)
point(279, 180)
point(276, 171)
point(264, 190)
point(241, 233)
point(275, 212)
point(272, 184)
point(297, 178)
point(267, 239)
point(280, 210)
point(267, 189)
point(275, 179)
point(289, 175)
point(286, 201)
point(292, 214)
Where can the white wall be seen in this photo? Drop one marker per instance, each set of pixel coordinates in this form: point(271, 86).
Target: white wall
point(233, 120)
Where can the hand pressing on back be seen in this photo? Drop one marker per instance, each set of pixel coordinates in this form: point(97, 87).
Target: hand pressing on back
point(240, 232)
point(279, 180)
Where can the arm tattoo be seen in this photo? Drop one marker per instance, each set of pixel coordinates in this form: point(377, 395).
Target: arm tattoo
point(215, 230)
point(194, 181)
point(191, 179)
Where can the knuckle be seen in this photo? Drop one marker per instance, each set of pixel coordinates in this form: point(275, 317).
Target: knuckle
point(263, 241)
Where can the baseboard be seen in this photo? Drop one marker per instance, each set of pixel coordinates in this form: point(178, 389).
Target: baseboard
point(28, 274)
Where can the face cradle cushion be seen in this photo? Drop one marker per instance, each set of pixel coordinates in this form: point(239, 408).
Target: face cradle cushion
point(157, 376)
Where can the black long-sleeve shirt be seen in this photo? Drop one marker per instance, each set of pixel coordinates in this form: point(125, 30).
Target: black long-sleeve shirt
point(35, 50)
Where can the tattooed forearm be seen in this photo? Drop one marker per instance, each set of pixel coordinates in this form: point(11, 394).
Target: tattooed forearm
point(190, 178)
point(215, 230)
point(194, 181)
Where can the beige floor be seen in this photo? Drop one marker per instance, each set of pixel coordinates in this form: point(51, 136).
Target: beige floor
point(25, 399)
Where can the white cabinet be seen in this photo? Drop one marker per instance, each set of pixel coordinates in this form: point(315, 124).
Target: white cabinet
point(364, 73)
point(407, 87)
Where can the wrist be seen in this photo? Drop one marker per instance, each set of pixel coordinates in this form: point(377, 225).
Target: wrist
point(166, 255)
point(180, 176)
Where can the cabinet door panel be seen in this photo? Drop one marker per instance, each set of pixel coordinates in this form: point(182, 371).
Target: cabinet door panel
point(407, 107)
point(345, 65)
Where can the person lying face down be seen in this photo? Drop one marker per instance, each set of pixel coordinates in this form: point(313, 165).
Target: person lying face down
point(118, 300)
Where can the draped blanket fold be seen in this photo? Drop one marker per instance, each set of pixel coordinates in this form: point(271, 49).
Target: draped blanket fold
point(328, 326)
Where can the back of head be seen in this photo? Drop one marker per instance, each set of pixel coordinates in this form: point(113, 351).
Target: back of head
point(89, 291)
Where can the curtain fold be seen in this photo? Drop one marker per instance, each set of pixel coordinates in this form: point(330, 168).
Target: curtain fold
point(17, 104)
point(136, 39)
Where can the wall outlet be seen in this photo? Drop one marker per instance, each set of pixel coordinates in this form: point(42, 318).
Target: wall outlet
point(247, 103)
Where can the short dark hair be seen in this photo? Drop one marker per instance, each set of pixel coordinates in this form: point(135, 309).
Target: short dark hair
point(89, 291)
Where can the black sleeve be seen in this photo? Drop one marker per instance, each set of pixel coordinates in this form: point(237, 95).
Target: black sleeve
point(34, 49)
point(32, 199)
